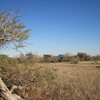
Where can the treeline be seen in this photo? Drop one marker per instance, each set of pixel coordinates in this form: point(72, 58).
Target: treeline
point(71, 58)
point(31, 58)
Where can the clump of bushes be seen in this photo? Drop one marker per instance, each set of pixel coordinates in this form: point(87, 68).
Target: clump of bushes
point(7, 61)
point(35, 80)
point(71, 58)
point(29, 58)
point(62, 58)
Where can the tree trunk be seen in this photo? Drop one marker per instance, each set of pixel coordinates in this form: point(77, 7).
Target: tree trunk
point(6, 94)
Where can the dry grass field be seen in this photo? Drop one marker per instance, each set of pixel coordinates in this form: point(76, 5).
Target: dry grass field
point(56, 81)
point(77, 81)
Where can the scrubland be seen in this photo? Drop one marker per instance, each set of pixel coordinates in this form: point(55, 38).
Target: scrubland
point(54, 81)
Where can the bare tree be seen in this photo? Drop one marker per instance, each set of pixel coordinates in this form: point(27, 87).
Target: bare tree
point(11, 31)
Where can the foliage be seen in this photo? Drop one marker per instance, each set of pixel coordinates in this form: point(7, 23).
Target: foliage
point(81, 56)
point(54, 81)
point(11, 29)
point(47, 58)
point(29, 58)
point(75, 60)
point(31, 79)
point(66, 58)
point(7, 61)
point(33, 58)
point(97, 57)
point(54, 59)
point(21, 59)
point(71, 58)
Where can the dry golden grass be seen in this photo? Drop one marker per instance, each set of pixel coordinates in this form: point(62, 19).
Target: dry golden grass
point(77, 81)
point(55, 81)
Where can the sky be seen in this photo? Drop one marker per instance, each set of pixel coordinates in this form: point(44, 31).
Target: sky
point(58, 26)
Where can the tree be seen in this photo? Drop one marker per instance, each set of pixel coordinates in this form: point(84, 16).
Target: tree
point(82, 56)
point(97, 57)
point(11, 31)
point(29, 55)
point(66, 57)
point(47, 58)
point(32, 58)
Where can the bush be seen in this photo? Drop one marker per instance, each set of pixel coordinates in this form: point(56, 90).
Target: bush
point(54, 59)
point(75, 60)
point(33, 80)
point(97, 57)
point(21, 59)
point(47, 58)
point(33, 58)
point(66, 57)
point(29, 58)
point(6, 61)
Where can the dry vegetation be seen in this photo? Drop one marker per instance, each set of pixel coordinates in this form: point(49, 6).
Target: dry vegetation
point(55, 81)
point(39, 79)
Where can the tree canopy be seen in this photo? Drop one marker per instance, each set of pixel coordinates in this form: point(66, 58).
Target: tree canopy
point(12, 30)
